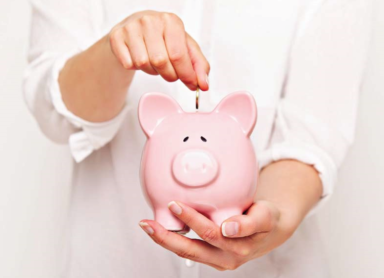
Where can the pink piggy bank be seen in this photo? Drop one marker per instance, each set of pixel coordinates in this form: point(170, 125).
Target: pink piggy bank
point(205, 160)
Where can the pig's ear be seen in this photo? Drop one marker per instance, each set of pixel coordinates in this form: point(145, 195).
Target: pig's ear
point(241, 107)
point(153, 109)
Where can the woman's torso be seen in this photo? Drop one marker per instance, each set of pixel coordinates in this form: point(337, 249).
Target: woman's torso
point(247, 44)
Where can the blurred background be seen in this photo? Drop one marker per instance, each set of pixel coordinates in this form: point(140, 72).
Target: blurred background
point(34, 173)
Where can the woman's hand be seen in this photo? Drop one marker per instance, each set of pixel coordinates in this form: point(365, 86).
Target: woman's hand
point(287, 190)
point(94, 83)
point(238, 240)
point(157, 43)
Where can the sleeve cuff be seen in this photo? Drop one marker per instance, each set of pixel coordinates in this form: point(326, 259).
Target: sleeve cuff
point(308, 154)
point(91, 136)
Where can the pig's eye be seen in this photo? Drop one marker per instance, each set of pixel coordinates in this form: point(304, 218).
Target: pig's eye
point(186, 139)
point(203, 139)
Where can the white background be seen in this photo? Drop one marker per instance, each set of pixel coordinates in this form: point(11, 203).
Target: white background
point(34, 173)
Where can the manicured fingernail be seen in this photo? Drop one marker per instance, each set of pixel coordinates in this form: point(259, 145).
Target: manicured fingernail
point(175, 208)
point(230, 228)
point(145, 226)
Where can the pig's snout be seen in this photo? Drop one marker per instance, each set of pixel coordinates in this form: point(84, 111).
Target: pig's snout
point(195, 167)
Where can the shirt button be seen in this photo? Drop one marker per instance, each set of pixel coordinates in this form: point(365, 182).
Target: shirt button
point(189, 263)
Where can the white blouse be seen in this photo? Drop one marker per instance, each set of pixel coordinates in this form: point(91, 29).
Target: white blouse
point(303, 61)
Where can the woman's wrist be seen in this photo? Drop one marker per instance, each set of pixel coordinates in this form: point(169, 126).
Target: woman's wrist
point(292, 187)
point(93, 83)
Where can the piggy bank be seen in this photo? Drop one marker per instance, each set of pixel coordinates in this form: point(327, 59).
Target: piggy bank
point(205, 160)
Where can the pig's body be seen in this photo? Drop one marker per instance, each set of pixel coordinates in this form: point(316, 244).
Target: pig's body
point(205, 160)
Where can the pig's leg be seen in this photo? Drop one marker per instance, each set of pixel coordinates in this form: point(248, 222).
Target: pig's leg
point(218, 216)
point(167, 220)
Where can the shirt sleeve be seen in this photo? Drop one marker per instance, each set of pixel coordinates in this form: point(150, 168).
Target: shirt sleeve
point(60, 30)
point(315, 119)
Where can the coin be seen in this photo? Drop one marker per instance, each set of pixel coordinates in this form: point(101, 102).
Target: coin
point(197, 97)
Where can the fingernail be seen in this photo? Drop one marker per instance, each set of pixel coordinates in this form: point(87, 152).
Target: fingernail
point(145, 226)
point(230, 228)
point(175, 208)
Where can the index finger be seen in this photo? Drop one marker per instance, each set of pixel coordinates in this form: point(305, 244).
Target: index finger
point(176, 43)
point(204, 227)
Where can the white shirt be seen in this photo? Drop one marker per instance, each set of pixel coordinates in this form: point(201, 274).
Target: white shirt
point(302, 60)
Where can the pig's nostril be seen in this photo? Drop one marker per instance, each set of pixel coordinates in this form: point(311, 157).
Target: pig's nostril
point(203, 139)
point(186, 139)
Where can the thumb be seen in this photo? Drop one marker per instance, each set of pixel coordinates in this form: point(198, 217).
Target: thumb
point(199, 63)
point(260, 218)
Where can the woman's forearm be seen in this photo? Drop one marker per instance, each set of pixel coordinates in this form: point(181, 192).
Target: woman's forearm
point(94, 84)
point(294, 187)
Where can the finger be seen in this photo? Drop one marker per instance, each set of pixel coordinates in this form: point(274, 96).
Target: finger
point(199, 63)
point(193, 249)
point(204, 227)
point(260, 218)
point(135, 42)
point(120, 49)
point(157, 52)
point(175, 40)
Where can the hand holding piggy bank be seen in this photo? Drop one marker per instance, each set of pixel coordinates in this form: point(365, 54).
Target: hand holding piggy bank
point(205, 160)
